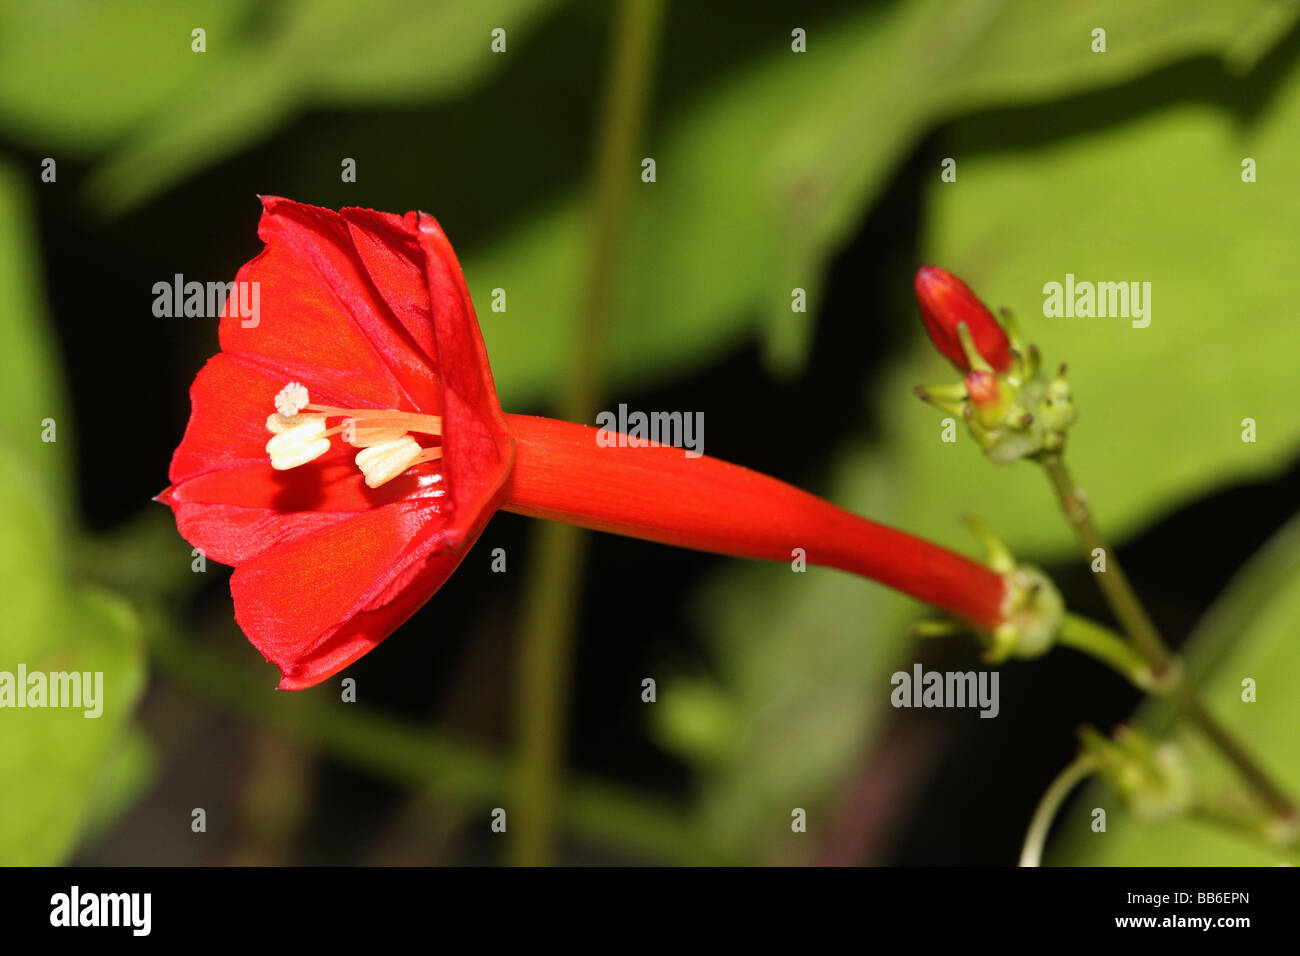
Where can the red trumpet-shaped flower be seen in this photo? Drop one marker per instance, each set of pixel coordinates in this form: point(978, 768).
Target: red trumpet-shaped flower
point(946, 302)
point(388, 451)
point(346, 450)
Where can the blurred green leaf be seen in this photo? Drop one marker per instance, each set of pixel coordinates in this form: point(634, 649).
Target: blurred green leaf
point(144, 559)
point(412, 48)
point(764, 175)
point(62, 769)
point(1250, 633)
point(699, 255)
point(30, 388)
point(694, 264)
point(128, 771)
point(75, 75)
point(1158, 199)
point(299, 55)
point(59, 762)
point(761, 176)
point(929, 61)
point(696, 721)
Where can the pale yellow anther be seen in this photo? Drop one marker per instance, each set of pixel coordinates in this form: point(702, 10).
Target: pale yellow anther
point(383, 463)
point(292, 399)
point(277, 423)
point(298, 444)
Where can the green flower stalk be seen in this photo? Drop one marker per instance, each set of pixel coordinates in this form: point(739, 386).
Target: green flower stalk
point(1014, 411)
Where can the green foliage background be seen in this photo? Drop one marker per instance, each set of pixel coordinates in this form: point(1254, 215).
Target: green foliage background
point(1123, 165)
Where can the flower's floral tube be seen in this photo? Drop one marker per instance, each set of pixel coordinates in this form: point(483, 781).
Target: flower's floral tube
point(659, 494)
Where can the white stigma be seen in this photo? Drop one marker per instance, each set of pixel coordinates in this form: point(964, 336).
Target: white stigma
point(298, 444)
point(384, 462)
point(291, 399)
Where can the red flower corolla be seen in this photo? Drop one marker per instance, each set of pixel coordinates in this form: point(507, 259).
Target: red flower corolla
point(945, 303)
point(346, 449)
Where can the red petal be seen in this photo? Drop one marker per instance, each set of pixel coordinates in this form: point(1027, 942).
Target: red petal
point(314, 605)
point(237, 514)
point(324, 317)
point(229, 404)
point(477, 448)
point(388, 247)
point(358, 635)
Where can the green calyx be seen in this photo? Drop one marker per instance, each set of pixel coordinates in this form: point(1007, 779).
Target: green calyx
point(1153, 780)
point(1032, 607)
point(1020, 413)
point(1032, 610)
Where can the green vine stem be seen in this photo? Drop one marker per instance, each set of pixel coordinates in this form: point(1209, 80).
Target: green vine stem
point(558, 550)
point(462, 772)
point(1105, 645)
point(1191, 706)
point(1164, 669)
point(1031, 854)
point(1114, 583)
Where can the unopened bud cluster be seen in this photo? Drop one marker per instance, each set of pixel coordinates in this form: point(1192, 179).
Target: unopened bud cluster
point(1012, 409)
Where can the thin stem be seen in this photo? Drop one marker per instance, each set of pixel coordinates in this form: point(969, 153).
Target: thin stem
point(1111, 649)
point(1239, 824)
point(1226, 819)
point(1113, 582)
point(1164, 665)
point(1195, 710)
point(456, 770)
point(1106, 646)
point(1031, 854)
point(556, 558)
point(557, 555)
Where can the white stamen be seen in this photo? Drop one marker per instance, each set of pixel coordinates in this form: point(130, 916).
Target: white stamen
point(298, 444)
point(292, 399)
point(383, 463)
point(301, 434)
point(362, 436)
point(277, 423)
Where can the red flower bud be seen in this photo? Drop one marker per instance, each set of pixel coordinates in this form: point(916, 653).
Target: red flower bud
point(946, 302)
